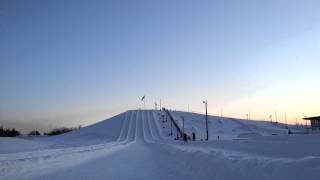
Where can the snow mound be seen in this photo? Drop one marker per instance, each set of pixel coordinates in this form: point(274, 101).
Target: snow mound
point(105, 131)
point(226, 128)
point(137, 145)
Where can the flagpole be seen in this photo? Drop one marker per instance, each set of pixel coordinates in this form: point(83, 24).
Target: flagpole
point(144, 101)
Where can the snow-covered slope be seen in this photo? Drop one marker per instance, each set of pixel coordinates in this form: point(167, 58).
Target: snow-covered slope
point(101, 132)
point(226, 128)
point(136, 145)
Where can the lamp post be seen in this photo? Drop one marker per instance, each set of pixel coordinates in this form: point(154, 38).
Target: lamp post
point(285, 120)
point(207, 132)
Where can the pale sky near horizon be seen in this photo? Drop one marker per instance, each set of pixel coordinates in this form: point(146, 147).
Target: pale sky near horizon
point(66, 63)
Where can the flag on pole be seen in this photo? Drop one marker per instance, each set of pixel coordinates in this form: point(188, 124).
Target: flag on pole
point(143, 98)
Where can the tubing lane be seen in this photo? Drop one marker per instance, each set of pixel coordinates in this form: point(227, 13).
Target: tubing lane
point(150, 127)
point(155, 128)
point(139, 128)
point(124, 127)
point(147, 129)
point(132, 127)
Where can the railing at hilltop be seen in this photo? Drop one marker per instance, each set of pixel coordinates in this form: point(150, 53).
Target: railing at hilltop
point(175, 123)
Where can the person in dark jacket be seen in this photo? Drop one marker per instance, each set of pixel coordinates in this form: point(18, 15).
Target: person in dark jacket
point(185, 137)
point(193, 136)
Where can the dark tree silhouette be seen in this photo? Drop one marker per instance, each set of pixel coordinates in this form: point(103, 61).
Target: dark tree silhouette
point(8, 132)
point(34, 133)
point(61, 131)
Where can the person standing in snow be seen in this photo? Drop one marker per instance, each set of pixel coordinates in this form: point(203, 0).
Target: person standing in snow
point(193, 136)
point(185, 137)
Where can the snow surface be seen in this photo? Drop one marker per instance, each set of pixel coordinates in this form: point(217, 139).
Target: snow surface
point(136, 145)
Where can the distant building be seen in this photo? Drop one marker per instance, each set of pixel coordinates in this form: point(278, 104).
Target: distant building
point(315, 122)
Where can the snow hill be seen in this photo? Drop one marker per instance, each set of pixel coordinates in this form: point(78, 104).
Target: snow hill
point(226, 128)
point(136, 145)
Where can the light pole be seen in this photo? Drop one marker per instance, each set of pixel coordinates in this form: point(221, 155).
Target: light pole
point(285, 120)
point(207, 132)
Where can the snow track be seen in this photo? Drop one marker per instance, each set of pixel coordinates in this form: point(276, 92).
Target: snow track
point(154, 128)
point(125, 126)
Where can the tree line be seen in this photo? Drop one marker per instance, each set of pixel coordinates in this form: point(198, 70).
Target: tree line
point(8, 132)
point(12, 132)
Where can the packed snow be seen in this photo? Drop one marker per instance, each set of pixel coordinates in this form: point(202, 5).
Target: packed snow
point(138, 144)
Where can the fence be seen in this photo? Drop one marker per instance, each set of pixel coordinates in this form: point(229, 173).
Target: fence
point(174, 123)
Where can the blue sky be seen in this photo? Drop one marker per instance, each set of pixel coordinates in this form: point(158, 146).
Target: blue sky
point(78, 62)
